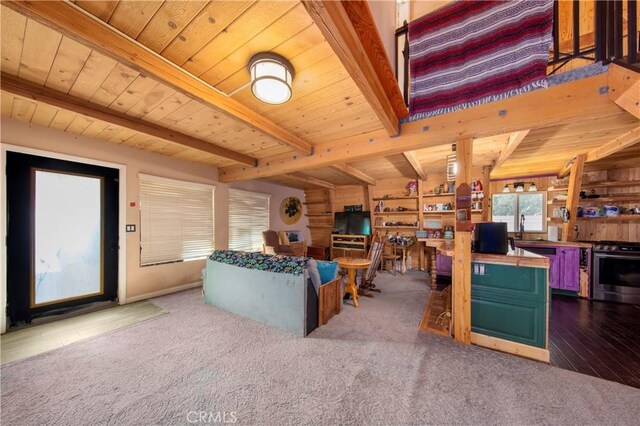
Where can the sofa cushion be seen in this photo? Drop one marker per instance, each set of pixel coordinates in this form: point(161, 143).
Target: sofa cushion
point(314, 275)
point(328, 271)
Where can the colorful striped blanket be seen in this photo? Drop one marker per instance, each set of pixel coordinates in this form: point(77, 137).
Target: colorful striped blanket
point(469, 53)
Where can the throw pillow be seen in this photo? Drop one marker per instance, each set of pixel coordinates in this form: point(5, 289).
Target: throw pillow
point(328, 271)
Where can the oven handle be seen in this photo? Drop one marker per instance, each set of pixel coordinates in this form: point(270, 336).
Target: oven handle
point(615, 256)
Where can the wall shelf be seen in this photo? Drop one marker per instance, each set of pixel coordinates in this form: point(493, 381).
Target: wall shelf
point(592, 185)
point(439, 212)
point(411, 197)
point(396, 227)
point(448, 194)
point(320, 226)
point(315, 202)
point(319, 215)
point(617, 219)
point(406, 212)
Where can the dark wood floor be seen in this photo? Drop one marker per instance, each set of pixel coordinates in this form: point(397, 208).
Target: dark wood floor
point(596, 338)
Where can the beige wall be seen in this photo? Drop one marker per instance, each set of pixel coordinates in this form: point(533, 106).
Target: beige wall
point(384, 15)
point(141, 281)
point(418, 8)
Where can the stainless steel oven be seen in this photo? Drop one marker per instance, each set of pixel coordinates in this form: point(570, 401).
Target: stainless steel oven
point(616, 272)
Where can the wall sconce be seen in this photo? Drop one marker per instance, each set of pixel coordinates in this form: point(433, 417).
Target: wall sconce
point(271, 77)
point(519, 187)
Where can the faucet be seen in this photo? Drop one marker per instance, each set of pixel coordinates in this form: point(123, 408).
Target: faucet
point(520, 233)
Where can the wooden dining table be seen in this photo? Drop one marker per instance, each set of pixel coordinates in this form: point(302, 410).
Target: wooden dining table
point(352, 264)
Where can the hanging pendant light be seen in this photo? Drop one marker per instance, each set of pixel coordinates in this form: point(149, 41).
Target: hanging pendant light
point(271, 77)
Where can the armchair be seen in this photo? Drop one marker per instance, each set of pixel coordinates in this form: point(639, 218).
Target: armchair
point(271, 242)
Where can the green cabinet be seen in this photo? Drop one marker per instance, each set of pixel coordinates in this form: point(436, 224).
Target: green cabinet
point(509, 302)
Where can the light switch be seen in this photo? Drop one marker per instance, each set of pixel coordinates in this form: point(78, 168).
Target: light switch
point(130, 228)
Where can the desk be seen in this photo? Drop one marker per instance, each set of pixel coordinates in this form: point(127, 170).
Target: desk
point(352, 264)
point(435, 245)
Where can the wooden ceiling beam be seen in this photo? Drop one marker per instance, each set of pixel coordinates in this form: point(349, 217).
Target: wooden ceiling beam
point(350, 30)
point(74, 22)
point(578, 100)
point(301, 177)
point(23, 88)
point(514, 141)
point(623, 141)
point(355, 173)
point(412, 158)
point(624, 89)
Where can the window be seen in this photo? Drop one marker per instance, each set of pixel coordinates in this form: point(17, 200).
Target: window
point(248, 217)
point(509, 207)
point(176, 220)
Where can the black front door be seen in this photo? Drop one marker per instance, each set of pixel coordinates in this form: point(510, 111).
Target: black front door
point(62, 235)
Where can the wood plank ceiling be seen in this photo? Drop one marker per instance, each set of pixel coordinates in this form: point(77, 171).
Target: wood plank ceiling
point(214, 41)
point(211, 40)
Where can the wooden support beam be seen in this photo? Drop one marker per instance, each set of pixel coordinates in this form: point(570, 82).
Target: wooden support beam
point(412, 158)
point(301, 177)
point(349, 28)
point(573, 197)
point(486, 189)
point(579, 100)
point(461, 301)
point(566, 169)
point(23, 88)
point(355, 173)
point(623, 141)
point(514, 141)
point(74, 22)
point(624, 89)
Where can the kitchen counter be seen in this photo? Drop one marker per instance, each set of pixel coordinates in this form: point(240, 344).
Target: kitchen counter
point(552, 243)
point(517, 257)
point(509, 300)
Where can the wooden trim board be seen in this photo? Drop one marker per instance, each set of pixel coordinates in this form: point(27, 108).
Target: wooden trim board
point(507, 346)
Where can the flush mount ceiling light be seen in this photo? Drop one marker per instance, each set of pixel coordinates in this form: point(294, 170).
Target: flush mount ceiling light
point(271, 77)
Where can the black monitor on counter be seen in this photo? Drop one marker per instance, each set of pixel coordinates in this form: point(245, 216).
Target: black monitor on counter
point(352, 223)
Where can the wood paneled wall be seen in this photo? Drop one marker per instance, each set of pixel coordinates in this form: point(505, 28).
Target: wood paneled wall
point(591, 229)
point(601, 229)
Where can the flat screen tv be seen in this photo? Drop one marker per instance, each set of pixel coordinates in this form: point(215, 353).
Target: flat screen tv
point(351, 223)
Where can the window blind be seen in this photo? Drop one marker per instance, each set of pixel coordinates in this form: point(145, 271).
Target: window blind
point(176, 220)
point(248, 217)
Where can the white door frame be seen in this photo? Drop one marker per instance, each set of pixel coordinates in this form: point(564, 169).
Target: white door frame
point(122, 219)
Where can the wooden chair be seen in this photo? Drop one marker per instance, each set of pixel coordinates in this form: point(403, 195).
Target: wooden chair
point(271, 244)
point(375, 255)
point(390, 256)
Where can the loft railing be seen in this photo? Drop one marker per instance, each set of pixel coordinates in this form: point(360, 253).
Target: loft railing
point(615, 38)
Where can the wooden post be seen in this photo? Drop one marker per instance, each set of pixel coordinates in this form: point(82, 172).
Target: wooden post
point(575, 183)
point(461, 301)
point(420, 246)
point(486, 188)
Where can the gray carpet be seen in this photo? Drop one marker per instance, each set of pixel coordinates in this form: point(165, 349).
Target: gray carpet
point(369, 365)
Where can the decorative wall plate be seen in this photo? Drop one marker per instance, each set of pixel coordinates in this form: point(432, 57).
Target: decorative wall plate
point(291, 210)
